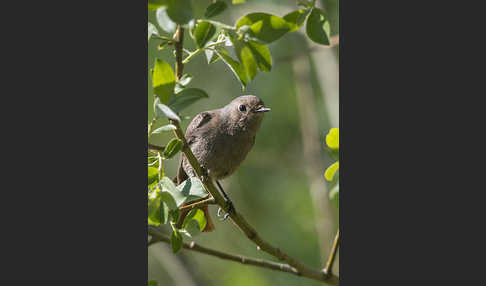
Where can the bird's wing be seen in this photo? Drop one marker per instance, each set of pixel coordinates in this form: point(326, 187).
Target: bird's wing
point(198, 122)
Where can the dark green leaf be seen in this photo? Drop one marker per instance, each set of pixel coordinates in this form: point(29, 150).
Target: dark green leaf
point(262, 56)
point(186, 97)
point(296, 19)
point(164, 21)
point(153, 175)
point(163, 80)
point(180, 11)
point(202, 33)
point(215, 9)
point(163, 110)
point(153, 283)
point(176, 241)
point(192, 189)
point(152, 30)
point(174, 146)
point(165, 128)
point(156, 4)
point(167, 198)
point(318, 28)
point(234, 66)
point(264, 27)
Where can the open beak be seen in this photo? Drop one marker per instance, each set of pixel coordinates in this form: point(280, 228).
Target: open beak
point(262, 109)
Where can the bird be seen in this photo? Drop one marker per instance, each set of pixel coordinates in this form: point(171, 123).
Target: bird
point(220, 140)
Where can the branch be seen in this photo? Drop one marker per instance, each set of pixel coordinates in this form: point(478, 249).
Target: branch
point(209, 201)
point(155, 233)
point(332, 256)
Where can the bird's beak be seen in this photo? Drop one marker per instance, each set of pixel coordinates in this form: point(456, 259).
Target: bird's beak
point(262, 109)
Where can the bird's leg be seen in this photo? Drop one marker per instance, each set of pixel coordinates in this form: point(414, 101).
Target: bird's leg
point(228, 203)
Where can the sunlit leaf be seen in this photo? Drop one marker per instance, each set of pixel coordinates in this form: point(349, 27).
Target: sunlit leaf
point(238, 1)
point(215, 9)
point(153, 175)
point(331, 170)
point(332, 138)
point(262, 56)
point(186, 97)
point(245, 56)
point(163, 80)
point(157, 211)
point(156, 4)
point(174, 146)
point(153, 283)
point(264, 27)
point(318, 28)
point(296, 18)
point(194, 222)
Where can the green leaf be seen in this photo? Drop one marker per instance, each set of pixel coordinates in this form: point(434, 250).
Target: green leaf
point(165, 128)
point(164, 21)
point(153, 283)
point(296, 19)
point(186, 97)
point(192, 189)
point(153, 175)
point(194, 222)
point(265, 27)
point(174, 146)
point(157, 211)
point(332, 138)
point(334, 192)
point(168, 186)
point(245, 56)
point(237, 69)
point(306, 3)
point(318, 28)
point(152, 30)
point(238, 1)
point(331, 170)
point(163, 110)
point(180, 11)
point(176, 241)
point(215, 9)
point(163, 80)
point(167, 198)
point(156, 4)
point(262, 56)
point(202, 33)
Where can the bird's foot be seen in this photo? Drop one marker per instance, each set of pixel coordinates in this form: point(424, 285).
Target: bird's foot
point(229, 208)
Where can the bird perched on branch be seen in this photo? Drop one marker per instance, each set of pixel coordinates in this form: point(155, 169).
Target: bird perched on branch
point(220, 140)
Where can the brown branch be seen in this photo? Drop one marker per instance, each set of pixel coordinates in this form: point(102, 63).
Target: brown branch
point(247, 229)
point(206, 202)
point(332, 256)
point(237, 258)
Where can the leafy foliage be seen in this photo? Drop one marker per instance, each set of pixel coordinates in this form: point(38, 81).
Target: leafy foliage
point(332, 141)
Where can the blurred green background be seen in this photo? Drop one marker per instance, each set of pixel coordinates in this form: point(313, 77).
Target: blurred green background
point(271, 189)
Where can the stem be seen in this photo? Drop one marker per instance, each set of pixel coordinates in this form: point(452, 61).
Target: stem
point(332, 256)
point(224, 26)
point(206, 202)
point(156, 148)
point(191, 55)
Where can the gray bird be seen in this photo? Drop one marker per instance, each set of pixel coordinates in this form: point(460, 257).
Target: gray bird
point(220, 140)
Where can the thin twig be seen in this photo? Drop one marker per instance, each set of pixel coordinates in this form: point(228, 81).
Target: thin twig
point(237, 258)
point(332, 256)
point(247, 229)
point(206, 202)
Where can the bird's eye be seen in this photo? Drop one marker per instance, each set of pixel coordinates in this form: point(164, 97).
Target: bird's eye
point(242, 107)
